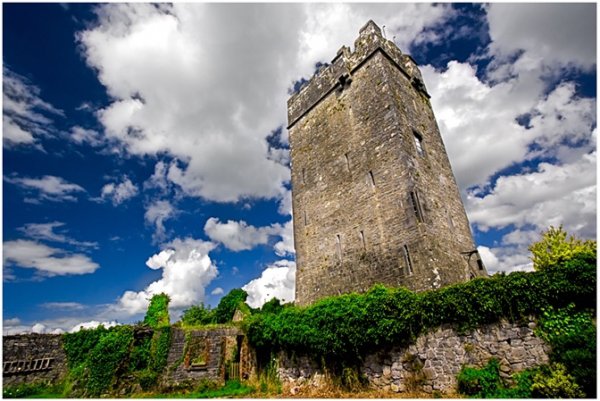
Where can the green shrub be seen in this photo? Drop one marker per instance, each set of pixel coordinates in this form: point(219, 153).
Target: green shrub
point(228, 304)
point(553, 381)
point(572, 337)
point(157, 314)
point(554, 248)
point(161, 342)
point(482, 383)
point(198, 315)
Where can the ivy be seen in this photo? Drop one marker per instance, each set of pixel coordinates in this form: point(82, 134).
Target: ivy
point(157, 314)
point(344, 328)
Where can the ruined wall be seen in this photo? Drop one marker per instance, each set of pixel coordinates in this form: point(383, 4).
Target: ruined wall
point(202, 354)
point(435, 359)
point(374, 197)
point(31, 358)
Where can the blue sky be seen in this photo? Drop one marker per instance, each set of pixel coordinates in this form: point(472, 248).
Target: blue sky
point(145, 147)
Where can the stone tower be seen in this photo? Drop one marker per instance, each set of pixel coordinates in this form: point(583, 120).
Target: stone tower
point(374, 197)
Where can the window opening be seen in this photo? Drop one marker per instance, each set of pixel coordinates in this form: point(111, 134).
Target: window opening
point(414, 199)
point(371, 179)
point(304, 176)
point(419, 143)
point(338, 246)
point(347, 161)
point(362, 239)
point(407, 260)
point(305, 218)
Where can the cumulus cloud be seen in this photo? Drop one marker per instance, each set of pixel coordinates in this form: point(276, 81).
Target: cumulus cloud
point(48, 187)
point(26, 116)
point(92, 324)
point(186, 272)
point(47, 261)
point(239, 236)
point(549, 35)
point(156, 214)
point(118, 193)
point(178, 89)
point(278, 280)
point(217, 291)
point(45, 231)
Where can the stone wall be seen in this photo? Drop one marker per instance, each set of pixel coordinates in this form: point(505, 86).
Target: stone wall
point(200, 354)
point(31, 358)
point(434, 361)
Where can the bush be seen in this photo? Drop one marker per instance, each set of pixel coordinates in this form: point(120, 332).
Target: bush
point(481, 383)
point(228, 304)
point(198, 315)
point(554, 248)
point(157, 314)
point(553, 381)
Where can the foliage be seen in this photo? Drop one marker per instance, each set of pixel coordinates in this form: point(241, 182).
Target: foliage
point(343, 328)
point(572, 336)
point(228, 304)
point(272, 306)
point(553, 381)
point(208, 389)
point(33, 390)
point(79, 344)
point(198, 315)
point(157, 314)
point(161, 341)
point(481, 383)
point(554, 248)
point(106, 357)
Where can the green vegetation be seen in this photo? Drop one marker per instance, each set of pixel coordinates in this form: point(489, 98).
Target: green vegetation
point(555, 249)
point(228, 304)
point(209, 389)
point(199, 315)
point(158, 311)
point(34, 390)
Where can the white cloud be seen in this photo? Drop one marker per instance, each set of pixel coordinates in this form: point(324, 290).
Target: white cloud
point(45, 231)
point(92, 324)
point(555, 35)
point(119, 192)
point(217, 291)
point(69, 306)
point(48, 187)
point(25, 114)
point(157, 213)
point(239, 236)
point(81, 135)
point(186, 272)
point(286, 245)
point(276, 281)
point(179, 89)
point(38, 328)
point(46, 260)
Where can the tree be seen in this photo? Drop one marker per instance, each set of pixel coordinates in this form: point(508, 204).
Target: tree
point(198, 315)
point(158, 311)
point(554, 248)
point(228, 304)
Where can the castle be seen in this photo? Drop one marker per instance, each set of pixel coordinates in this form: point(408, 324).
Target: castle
point(373, 193)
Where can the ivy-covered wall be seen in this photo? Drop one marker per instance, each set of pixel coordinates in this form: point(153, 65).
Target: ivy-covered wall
point(433, 362)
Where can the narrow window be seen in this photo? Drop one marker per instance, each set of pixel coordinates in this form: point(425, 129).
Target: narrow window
point(305, 218)
point(479, 263)
point(371, 179)
point(347, 161)
point(362, 239)
point(414, 199)
point(450, 222)
point(338, 246)
point(407, 262)
point(419, 143)
point(304, 176)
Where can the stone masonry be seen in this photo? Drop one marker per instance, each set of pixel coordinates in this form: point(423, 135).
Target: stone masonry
point(32, 358)
point(374, 196)
point(434, 361)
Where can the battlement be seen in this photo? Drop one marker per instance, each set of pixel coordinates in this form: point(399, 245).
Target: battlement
point(345, 64)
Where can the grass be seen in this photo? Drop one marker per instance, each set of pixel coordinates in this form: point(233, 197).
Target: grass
point(231, 389)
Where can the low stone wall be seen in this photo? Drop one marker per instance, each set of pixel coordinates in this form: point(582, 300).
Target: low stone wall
point(31, 358)
point(434, 361)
